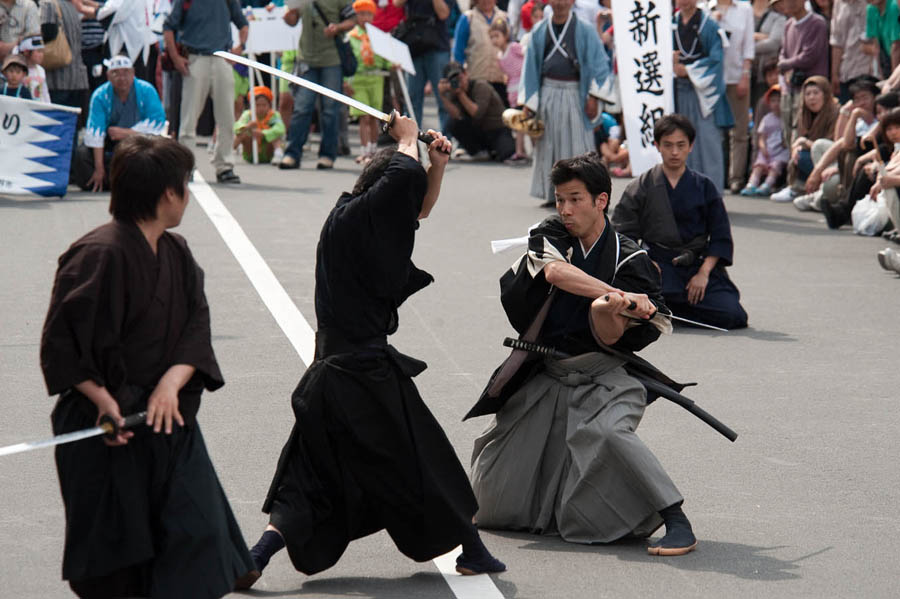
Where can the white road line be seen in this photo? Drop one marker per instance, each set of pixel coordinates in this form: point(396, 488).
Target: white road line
point(273, 295)
point(302, 337)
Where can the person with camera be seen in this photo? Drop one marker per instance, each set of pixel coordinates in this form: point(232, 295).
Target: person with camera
point(804, 53)
point(475, 115)
point(425, 32)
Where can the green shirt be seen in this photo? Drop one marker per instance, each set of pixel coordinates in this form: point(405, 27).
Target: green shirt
point(885, 28)
point(315, 49)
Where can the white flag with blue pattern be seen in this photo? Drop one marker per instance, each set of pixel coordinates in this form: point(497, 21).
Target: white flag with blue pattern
point(35, 146)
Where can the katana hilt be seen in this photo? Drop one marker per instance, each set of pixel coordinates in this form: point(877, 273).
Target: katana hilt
point(631, 306)
point(535, 348)
point(423, 137)
point(113, 429)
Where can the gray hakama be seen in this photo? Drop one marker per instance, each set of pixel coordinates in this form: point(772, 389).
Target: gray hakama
point(707, 155)
point(561, 109)
point(562, 456)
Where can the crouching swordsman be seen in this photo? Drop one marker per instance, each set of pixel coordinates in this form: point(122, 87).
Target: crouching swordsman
point(561, 455)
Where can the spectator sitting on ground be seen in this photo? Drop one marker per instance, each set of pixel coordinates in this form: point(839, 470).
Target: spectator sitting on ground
point(15, 69)
point(866, 167)
point(267, 129)
point(818, 117)
point(771, 156)
point(121, 107)
point(856, 118)
point(32, 48)
point(611, 147)
point(476, 115)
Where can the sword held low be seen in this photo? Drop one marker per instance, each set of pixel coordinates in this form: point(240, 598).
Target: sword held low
point(107, 427)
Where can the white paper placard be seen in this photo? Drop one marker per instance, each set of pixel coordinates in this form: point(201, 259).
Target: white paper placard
point(268, 31)
point(390, 48)
point(644, 55)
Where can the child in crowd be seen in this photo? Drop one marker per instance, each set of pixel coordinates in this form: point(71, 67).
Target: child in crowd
point(32, 48)
point(535, 12)
point(772, 156)
point(367, 85)
point(15, 69)
point(510, 56)
point(267, 129)
point(608, 138)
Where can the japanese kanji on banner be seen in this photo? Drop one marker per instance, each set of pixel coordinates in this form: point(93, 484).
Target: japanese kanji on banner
point(35, 146)
point(643, 35)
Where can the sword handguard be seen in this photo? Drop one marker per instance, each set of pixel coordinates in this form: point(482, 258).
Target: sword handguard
point(112, 427)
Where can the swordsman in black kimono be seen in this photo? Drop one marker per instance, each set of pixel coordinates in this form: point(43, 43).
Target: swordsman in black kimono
point(678, 215)
point(561, 455)
point(365, 453)
point(128, 331)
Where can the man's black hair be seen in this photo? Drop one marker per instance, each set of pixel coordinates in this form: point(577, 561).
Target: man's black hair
point(143, 167)
point(891, 119)
point(888, 100)
point(670, 124)
point(863, 83)
point(586, 168)
point(374, 170)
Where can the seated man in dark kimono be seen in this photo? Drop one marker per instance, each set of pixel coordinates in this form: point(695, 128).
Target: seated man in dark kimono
point(679, 217)
point(127, 331)
point(365, 453)
point(561, 455)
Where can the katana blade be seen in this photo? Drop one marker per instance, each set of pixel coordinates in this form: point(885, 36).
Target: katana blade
point(106, 427)
point(319, 89)
point(695, 323)
point(57, 440)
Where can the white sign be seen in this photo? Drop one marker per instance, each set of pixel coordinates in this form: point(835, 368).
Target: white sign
point(390, 48)
point(268, 32)
point(643, 39)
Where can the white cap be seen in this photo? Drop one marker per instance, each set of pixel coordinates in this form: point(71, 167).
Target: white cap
point(118, 62)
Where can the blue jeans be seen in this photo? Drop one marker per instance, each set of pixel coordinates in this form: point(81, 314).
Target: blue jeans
point(305, 104)
point(429, 67)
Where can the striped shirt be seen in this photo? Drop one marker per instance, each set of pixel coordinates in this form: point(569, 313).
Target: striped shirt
point(73, 76)
point(92, 32)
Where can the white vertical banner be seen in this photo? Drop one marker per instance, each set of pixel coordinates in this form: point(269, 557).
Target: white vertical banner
point(643, 36)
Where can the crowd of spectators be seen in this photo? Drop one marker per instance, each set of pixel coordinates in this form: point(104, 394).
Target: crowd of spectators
point(801, 89)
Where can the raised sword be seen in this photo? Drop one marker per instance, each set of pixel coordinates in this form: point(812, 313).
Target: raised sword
point(106, 427)
point(387, 119)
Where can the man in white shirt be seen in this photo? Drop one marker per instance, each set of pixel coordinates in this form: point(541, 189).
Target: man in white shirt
point(736, 23)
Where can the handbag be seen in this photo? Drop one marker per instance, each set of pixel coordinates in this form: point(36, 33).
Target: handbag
point(57, 53)
point(344, 50)
point(420, 33)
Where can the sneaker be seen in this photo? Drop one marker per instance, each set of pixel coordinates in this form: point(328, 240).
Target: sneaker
point(324, 163)
point(481, 156)
point(277, 156)
point(817, 201)
point(228, 176)
point(785, 195)
point(735, 187)
point(459, 153)
point(803, 203)
point(750, 190)
point(764, 190)
point(517, 160)
point(289, 163)
point(883, 258)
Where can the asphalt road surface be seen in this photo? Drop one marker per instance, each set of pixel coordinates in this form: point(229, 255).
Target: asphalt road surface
point(804, 504)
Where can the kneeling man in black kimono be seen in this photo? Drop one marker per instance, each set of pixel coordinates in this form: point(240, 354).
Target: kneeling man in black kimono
point(679, 216)
point(365, 453)
point(561, 455)
point(127, 331)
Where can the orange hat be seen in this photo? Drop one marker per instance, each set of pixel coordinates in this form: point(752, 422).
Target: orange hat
point(365, 5)
point(262, 90)
point(775, 89)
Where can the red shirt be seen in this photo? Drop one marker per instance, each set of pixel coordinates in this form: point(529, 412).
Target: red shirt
point(388, 16)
